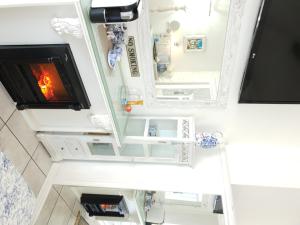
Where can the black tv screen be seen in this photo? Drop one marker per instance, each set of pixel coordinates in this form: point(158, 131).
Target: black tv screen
point(273, 71)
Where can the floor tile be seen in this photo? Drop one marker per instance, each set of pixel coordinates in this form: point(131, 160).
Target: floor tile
point(1, 123)
point(47, 208)
point(68, 195)
point(83, 222)
point(7, 106)
point(58, 187)
point(42, 159)
point(72, 220)
point(60, 214)
point(13, 149)
point(23, 132)
point(34, 177)
point(77, 208)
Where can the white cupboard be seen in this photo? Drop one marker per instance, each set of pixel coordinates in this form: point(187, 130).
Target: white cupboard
point(146, 139)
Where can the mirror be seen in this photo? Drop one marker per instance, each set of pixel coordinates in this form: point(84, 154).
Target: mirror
point(188, 45)
point(74, 205)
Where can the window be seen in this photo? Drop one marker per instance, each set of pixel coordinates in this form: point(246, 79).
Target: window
point(183, 196)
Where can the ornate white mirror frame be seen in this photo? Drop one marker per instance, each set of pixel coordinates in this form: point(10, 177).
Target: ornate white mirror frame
point(228, 64)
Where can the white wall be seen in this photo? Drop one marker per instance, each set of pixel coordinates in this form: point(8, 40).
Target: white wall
point(266, 206)
point(188, 215)
point(263, 140)
point(205, 177)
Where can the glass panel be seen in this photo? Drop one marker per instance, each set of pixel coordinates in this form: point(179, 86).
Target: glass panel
point(111, 79)
point(105, 149)
point(135, 127)
point(183, 196)
point(162, 128)
point(163, 151)
point(136, 150)
point(140, 202)
point(49, 82)
point(188, 46)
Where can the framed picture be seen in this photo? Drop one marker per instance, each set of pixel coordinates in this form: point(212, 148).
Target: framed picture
point(194, 43)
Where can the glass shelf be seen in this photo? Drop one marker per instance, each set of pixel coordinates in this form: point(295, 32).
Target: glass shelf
point(112, 79)
point(163, 127)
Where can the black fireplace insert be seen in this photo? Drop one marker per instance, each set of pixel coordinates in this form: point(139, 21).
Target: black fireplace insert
point(42, 77)
point(104, 205)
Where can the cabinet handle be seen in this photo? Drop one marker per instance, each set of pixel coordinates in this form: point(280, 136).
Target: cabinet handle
point(96, 140)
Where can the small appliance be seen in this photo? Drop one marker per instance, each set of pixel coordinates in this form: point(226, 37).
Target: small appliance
point(114, 11)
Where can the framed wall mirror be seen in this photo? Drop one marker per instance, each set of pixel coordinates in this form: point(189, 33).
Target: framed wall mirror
point(80, 205)
point(192, 50)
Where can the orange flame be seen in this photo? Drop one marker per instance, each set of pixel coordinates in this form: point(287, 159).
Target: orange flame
point(49, 81)
point(46, 86)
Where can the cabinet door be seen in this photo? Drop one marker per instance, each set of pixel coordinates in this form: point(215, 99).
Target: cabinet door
point(101, 149)
point(132, 150)
point(60, 147)
point(163, 151)
point(74, 147)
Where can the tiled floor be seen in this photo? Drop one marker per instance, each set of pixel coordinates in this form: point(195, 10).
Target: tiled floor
point(32, 160)
point(60, 208)
point(20, 144)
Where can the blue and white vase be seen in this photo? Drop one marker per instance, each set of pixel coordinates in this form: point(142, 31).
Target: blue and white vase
point(208, 140)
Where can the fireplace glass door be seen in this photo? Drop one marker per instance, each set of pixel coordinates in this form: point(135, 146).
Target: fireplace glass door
point(49, 82)
point(42, 76)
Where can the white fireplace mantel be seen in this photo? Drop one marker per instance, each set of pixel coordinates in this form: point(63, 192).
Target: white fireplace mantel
point(37, 22)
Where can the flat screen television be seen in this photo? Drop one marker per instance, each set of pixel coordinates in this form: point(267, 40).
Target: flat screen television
point(273, 71)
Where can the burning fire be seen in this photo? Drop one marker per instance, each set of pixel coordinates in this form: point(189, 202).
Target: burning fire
point(45, 84)
point(45, 74)
point(49, 81)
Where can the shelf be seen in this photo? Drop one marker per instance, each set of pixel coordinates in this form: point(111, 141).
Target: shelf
point(159, 129)
point(164, 127)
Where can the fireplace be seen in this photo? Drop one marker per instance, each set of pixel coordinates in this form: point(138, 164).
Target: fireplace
point(42, 77)
point(104, 205)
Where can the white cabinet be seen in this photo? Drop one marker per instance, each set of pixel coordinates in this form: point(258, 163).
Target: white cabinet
point(158, 153)
point(79, 146)
point(148, 139)
point(160, 138)
point(160, 130)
